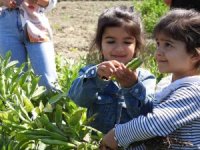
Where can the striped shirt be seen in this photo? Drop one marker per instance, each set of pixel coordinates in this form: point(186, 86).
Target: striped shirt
point(176, 116)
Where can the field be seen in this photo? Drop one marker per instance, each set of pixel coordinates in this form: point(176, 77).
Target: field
point(74, 24)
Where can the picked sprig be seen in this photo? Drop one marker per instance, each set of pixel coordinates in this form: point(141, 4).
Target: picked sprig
point(132, 65)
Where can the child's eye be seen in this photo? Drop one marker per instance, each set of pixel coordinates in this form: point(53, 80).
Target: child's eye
point(168, 45)
point(128, 42)
point(157, 43)
point(110, 42)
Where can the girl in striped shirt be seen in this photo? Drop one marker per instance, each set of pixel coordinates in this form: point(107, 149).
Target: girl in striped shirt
point(176, 109)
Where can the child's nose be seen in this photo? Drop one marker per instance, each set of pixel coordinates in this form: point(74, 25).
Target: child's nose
point(119, 47)
point(158, 52)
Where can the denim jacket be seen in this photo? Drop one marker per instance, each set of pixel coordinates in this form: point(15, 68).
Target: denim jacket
point(110, 103)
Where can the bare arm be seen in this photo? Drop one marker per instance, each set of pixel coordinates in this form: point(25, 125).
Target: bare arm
point(1, 3)
point(8, 3)
point(43, 3)
point(168, 2)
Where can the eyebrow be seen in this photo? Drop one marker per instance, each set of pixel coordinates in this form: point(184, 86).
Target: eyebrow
point(170, 41)
point(126, 38)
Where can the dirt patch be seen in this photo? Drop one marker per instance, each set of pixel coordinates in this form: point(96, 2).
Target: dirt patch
point(74, 24)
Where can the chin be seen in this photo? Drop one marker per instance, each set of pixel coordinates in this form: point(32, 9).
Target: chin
point(163, 71)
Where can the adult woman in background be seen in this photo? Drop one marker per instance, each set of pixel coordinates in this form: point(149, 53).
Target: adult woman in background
point(25, 31)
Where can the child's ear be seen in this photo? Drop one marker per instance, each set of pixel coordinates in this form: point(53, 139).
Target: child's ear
point(196, 58)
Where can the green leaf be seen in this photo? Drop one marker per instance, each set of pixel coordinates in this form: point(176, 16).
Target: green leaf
point(75, 118)
point(11, 64)
point(49, 126)
point(7, 58)
point(48, 108)
point(40, 90)
point(24, 113)
point(58, 142)
point(35, 112)
point(4, 115)
point(56, 98)
point(28, 104)
point(41, 106)
point(58, 115)
point(34, 84)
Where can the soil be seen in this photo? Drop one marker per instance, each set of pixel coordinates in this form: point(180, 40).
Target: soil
point(74, 25)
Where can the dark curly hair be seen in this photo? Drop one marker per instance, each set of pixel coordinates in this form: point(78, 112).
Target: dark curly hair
point(121, 16)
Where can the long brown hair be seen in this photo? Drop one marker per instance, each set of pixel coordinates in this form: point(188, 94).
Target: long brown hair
point(121, 16)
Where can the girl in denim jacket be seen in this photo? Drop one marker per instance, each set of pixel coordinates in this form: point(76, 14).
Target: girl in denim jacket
point(119, 39)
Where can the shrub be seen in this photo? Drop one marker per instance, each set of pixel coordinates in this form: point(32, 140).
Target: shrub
point(151, 11)
point(31, 118)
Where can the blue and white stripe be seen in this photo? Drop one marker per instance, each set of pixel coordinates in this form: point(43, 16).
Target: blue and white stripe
point(177, 116)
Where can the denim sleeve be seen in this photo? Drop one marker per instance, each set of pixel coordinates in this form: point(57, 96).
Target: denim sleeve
point(85, 88)
point(139, 97)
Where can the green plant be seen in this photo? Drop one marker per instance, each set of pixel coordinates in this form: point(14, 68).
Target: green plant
point(149, 60)
point(31, 118)
point(151, 11)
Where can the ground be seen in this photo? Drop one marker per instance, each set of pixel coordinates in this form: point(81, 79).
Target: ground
point(74, 24)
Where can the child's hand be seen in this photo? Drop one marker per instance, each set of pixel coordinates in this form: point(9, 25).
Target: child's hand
point(9, 3)
point(125, 76)
point(107, 68)
point(113, 68)
point(108, 142)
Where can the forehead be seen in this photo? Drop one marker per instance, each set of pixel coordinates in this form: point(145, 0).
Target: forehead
point(116, 32)
point(165, 38)
point(162, 36)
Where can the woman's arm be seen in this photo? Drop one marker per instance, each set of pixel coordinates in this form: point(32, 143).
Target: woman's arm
point(168, 2)
point(42, 3)
point(1, 3)
point(8, 3)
